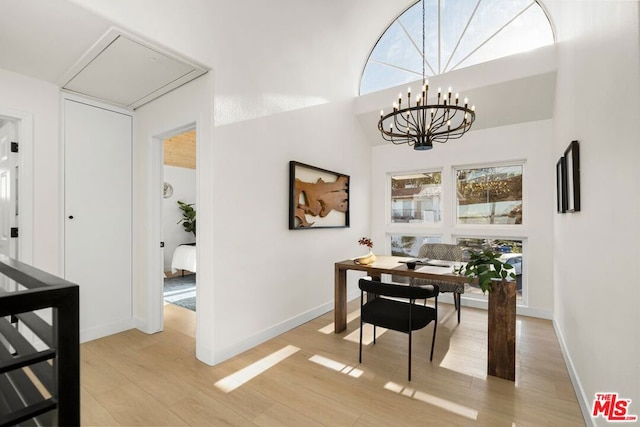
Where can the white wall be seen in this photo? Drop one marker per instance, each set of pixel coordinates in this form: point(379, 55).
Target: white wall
point(40, 100)
point(183, 181)
point(282, 277)
point(597, 282)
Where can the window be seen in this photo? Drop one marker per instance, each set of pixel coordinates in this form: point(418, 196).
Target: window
point(409, 246)
point(416, 197)
point(457, 34)
point(489, 195)
point(512, 253)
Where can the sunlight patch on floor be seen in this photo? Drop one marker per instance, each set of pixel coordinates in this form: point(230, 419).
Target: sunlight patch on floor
point(330, 328)
point(367, 334)
point(336, 366)
point(235, 380)
point(421, 396)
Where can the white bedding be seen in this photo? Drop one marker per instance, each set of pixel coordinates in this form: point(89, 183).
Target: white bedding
point(184, 258)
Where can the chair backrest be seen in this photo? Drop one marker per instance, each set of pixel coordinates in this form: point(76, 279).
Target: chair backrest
point(443, 251)
point(398, 291)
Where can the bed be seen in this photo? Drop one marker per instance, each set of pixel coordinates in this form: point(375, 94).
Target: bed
point(184, 258)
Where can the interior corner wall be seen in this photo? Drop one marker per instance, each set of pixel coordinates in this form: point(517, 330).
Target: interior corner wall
point(42, 100)
point(597, 292)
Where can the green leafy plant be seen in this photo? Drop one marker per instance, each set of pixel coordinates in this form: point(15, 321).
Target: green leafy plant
point(486, 266)
point(188, 219)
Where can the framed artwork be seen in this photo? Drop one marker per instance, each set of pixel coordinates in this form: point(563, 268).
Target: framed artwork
point(572, 174)
point(561, 201)
point(318, 198)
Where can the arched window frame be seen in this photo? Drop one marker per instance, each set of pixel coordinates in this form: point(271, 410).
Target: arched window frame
point(458, 64)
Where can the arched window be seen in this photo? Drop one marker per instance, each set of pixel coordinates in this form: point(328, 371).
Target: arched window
point(458, 33)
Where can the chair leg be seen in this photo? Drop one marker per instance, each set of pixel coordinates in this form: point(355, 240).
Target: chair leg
point(458, 304)
point(374, 334)
point(360, 355)
point(433, 340)
point(409, 364)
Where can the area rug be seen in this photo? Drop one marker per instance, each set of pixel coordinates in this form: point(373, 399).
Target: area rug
point(181, 291)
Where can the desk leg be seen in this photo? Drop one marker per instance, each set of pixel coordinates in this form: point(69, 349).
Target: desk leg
point(501, 358)
point(340, 300)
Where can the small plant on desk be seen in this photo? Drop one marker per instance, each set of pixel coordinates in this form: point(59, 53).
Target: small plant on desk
point(486, 266)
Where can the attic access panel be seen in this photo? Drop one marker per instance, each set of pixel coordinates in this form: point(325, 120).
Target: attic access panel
point(126, 71)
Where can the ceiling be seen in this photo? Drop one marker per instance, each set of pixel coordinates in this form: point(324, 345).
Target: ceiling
point(180, 150)
point(64, 44)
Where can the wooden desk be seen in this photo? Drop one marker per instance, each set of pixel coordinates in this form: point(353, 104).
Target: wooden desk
point(383, 265)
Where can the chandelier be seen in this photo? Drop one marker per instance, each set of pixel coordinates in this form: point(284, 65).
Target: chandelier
point(420, 124)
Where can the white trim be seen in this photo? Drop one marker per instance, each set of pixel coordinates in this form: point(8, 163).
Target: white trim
point(221, 355)
point(24, 124)
point(106, 330)
point(584, 402)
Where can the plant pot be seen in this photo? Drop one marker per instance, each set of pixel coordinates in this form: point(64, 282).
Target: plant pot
point(501, 357)
point(368, 259)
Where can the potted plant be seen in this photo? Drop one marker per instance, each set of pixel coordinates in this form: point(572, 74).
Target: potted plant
point(370, 258)
point(494, 276)
point(188, 219)
point(487, 268)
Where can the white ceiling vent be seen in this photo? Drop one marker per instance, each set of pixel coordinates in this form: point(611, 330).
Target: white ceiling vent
point(126, 71)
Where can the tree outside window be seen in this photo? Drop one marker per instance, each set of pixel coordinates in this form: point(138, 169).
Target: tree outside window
point(490, 195)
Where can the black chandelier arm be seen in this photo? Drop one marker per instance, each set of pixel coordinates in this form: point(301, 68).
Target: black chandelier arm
point(441, 116)
point(424, 124)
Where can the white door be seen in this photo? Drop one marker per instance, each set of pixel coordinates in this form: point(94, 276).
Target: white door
point(8, 196)
point(98, 215)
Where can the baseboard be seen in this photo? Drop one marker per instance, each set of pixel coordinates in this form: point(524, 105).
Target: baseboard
point(583, 401)
point(482, 303)
point(274, 331)
point(106, 330)
point(143, 326)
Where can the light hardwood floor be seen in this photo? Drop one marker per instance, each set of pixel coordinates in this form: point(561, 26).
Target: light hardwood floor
point(154, 380)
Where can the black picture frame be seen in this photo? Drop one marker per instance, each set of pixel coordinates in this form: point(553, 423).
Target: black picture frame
point(572, 177)
point(561, 192)
point(329, 194)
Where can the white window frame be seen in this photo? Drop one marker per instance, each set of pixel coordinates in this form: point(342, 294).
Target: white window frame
point(454, 202)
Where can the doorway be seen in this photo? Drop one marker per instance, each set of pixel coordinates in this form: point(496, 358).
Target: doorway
point(174, 172)
point(8, 188)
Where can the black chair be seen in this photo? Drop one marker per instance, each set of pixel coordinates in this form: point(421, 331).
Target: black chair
point(403, 316)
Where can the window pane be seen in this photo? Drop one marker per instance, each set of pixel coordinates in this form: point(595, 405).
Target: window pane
point(490, 195)
point(416, 197)
point(511, 250)
point(410, 245)
point(458, 33)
